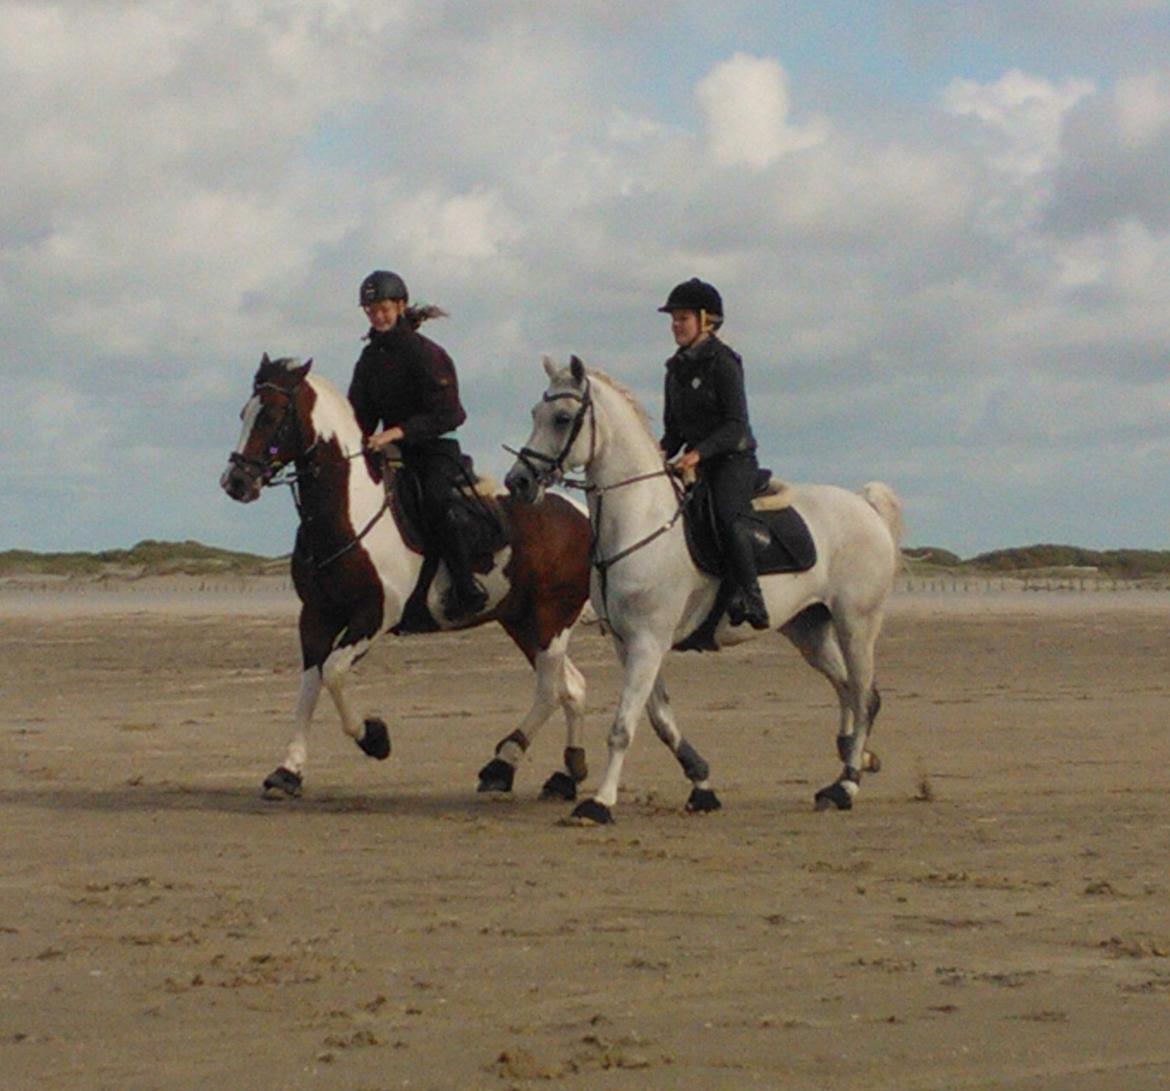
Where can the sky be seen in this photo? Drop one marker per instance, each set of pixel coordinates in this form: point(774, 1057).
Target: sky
point(941, 232)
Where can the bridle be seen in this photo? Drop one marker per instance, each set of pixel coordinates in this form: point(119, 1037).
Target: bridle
point(553, 468)
point(264, 470)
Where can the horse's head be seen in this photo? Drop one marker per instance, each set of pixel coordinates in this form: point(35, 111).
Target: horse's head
point(275, 430)
point(558, 441)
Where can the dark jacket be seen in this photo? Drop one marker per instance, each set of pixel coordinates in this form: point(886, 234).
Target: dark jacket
point(403, 378)
point(705, 403)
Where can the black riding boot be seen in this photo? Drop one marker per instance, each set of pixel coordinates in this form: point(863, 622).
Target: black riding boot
point(747, 601)
point(466, 595)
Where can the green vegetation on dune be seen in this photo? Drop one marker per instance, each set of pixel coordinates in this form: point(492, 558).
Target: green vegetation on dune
point(154, 558)
point(1113, 563)
point(147, 558)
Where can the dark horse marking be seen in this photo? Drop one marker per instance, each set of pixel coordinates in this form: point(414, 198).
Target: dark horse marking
point(357, 574)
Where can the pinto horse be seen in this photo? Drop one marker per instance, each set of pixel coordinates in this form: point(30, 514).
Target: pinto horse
point(651, 596)
point(357, 577)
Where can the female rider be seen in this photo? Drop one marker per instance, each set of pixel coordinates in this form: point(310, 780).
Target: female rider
point(706, 415)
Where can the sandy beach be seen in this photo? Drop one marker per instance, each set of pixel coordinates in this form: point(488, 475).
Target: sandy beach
point(993, 914)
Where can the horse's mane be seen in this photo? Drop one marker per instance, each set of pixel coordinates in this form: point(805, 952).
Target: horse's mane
point(627, 395)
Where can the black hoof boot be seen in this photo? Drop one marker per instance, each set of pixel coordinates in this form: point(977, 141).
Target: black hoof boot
point(375, 739)
point(559, 786)
point(836, 795)
point(496, 776)
point(590, 813)
point(282, 783)
point(702, 801)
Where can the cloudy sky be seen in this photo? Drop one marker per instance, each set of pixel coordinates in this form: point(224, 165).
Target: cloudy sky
point(941, 230)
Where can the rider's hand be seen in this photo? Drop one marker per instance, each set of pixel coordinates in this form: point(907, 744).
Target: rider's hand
point(688, 460)
point(379, 441)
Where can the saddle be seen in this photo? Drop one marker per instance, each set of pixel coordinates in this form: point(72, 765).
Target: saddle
point(781, 536)
point(474, 512)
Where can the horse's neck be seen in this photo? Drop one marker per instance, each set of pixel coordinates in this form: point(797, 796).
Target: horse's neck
point(625, 451)
point(335, 426)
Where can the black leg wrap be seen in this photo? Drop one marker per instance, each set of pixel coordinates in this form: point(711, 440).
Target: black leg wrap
point(592, 813)
point(375, 739)
point(496, 776)
point(575, 763)
point(693, 766)
point(844, 742)
point(559, 786)
point(703, 801)
point(282, 783)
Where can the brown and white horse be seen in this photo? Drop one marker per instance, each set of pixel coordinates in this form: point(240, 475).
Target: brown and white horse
point(357, 577)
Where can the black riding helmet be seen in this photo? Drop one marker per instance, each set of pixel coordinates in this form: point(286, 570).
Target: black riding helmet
point(695, 295)
point(381, 285)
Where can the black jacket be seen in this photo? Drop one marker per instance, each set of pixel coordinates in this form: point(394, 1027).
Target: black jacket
point(705, 407)
point(403, 378)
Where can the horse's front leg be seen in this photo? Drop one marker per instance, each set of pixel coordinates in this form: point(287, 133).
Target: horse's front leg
point(287, 779)
point(702, 798)
point(370, 734)
point(642, 658)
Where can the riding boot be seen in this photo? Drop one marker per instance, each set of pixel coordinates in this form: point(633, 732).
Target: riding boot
point(466, 595)
point(747, 601)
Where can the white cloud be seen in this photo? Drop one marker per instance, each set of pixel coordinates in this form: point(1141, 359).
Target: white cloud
point(1025, 113)
point(745, 102)
point(1143, 107)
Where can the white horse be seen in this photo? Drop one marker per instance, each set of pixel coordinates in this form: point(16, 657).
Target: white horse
point(649, 593)
point(360, 572)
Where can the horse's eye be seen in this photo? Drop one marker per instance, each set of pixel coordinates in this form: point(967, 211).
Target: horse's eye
point(563, 420)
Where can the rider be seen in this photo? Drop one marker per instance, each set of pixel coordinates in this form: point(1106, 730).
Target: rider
point(706, 412)
point(407, 383)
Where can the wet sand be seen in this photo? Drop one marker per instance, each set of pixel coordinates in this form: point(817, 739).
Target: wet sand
point(993, 914)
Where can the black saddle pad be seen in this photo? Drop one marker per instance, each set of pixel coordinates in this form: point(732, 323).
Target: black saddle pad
point(782, 538)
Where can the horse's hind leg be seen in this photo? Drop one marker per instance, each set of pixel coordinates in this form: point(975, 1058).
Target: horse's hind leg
point(558, 683)
point(702, 798)
point(814, 633)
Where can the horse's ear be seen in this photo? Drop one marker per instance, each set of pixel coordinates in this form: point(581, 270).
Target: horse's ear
point(264, 361)
point(550, 369)
point(306, 367)
point(577, 368)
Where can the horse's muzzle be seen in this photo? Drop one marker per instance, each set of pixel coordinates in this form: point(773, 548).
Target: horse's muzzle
point(523, 484)
point(240, 483)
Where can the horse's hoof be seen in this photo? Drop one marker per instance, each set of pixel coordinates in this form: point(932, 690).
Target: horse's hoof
point(560, 786)
point(702, 801)
point(496, 776)
point(375, 739)
point(834, 796)
point(870, 762)
point(282, 783)
point(590, 813)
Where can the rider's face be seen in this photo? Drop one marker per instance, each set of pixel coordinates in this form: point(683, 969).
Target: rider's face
point(384, 313)
point(685, 327)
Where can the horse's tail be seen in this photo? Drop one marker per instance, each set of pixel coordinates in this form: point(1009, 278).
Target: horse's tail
point(885, 502)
